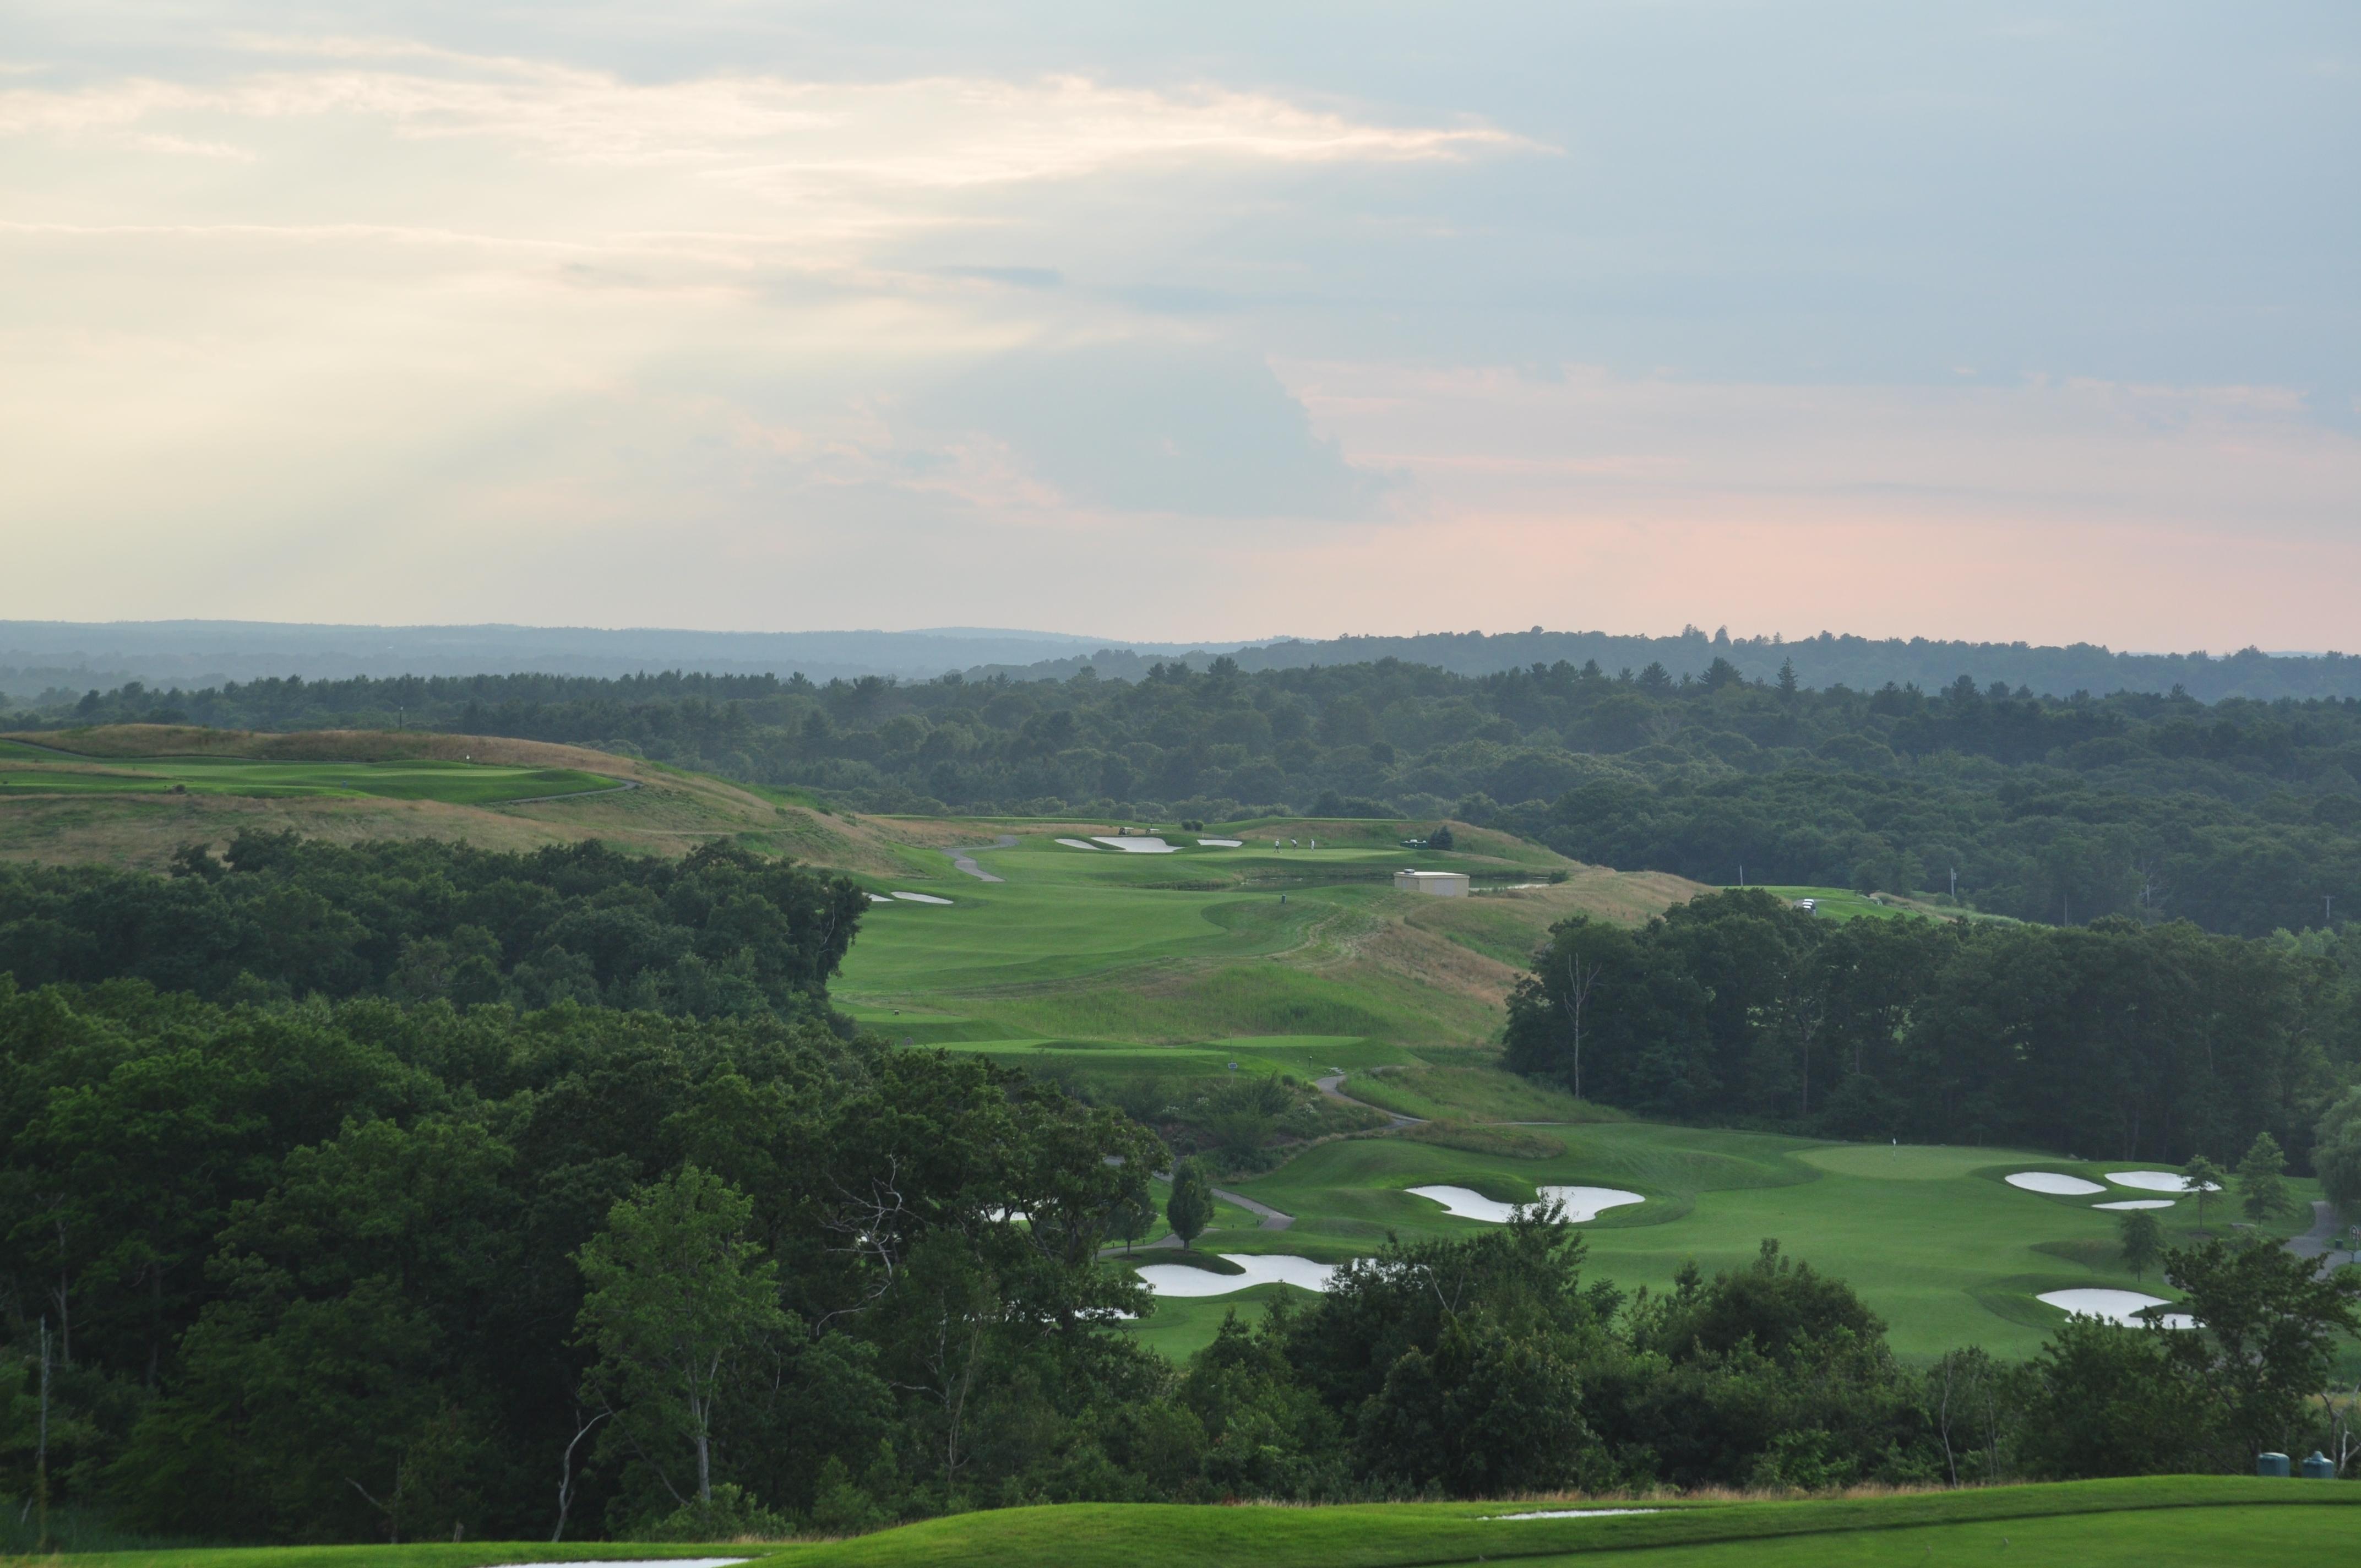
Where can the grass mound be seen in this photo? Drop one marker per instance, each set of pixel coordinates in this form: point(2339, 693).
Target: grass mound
point(1514, 1142)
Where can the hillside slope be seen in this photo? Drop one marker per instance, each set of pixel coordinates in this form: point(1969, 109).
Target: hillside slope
point(666, 811)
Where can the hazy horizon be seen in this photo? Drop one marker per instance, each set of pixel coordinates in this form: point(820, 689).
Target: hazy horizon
point(2034, 324)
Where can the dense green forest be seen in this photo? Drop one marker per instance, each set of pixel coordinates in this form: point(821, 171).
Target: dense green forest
point(318, 1271)
point(341, 1241)
point(2117, 1039)
point(719, 933)
point(2243, 816)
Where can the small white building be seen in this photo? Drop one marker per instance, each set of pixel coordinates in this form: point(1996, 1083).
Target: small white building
point(1441, 884)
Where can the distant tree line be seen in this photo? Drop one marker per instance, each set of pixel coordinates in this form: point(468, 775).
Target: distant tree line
point(2244, 817)
point(720, 932)
point(2116, 1040)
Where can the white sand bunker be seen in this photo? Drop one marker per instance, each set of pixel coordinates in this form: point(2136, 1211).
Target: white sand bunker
point(2137, 1204)
point(881, 898)
point(2114, 1306)
point(2156, 1180)
point(1581, 1203)
point(1573, 1513)
point(918, 898)
point(1273, 1268)
point(1221, 843)
point(1078, 843)
point(1132, 845)
point(2054, 1184)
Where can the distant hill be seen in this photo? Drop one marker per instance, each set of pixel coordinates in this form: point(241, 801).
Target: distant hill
point(53, 660)
point(38, 656)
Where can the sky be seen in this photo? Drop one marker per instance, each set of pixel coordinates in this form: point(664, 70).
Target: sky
point(2007, 320)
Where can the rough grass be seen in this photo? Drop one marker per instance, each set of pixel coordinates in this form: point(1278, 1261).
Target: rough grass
point(1471, 1093)
point(1472, 1137)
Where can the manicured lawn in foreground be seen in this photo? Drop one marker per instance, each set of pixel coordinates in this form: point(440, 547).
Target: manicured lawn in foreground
point(2147, 1522)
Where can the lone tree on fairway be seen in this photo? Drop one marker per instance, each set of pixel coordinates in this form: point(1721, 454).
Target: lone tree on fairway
point(1192, 1204)
point(1133, 1213)
point(2261, 1192)
point(2204, 1177)
point(677, 1297)
point(2143, 1241)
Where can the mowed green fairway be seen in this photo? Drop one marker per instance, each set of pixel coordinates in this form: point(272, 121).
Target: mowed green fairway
point(2164, 1522)
point(1108, 970)
point(1171, 948)
point(1932, 1238)
point(32, 770)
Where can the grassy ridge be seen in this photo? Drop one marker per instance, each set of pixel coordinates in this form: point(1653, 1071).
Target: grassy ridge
point(111, 801)
point(2146, 1522)
point(23, 772)
point(1397, 1535)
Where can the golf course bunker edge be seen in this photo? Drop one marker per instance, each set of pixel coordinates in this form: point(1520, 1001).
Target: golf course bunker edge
point(1581, 1203)
point(1264, 1269)
point(2053, 1184)
point(2119, 1307)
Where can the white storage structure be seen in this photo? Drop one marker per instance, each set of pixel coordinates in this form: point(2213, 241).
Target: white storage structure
point(1441, 884)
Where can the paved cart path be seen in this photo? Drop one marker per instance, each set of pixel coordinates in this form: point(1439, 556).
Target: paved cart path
point(965, 859)
point(1332, 1087)
point(2324, 1241)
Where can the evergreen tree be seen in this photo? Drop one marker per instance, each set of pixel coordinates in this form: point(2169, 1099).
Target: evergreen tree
point(2143, 1241)
point(2262, 1192)
point(1190, 1207)
point(1131, 1216)
point(2202, 1178)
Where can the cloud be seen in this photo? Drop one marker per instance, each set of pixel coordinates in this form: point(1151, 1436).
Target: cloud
point(850, 153)
point(1149, 426)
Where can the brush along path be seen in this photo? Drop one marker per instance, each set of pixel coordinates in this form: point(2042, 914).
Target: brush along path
point(1333, 1086)
point(2151, 1521)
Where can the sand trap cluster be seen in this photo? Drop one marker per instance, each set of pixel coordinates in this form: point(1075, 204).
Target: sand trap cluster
point(918, 898)
point(1078, 843)
point(2054, 1184)
point(2156, 1180)
point(1274, 1268)
point(2137, 1204)
point(2114, 1306)
point(1581, 1203)
point(1131, 844)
